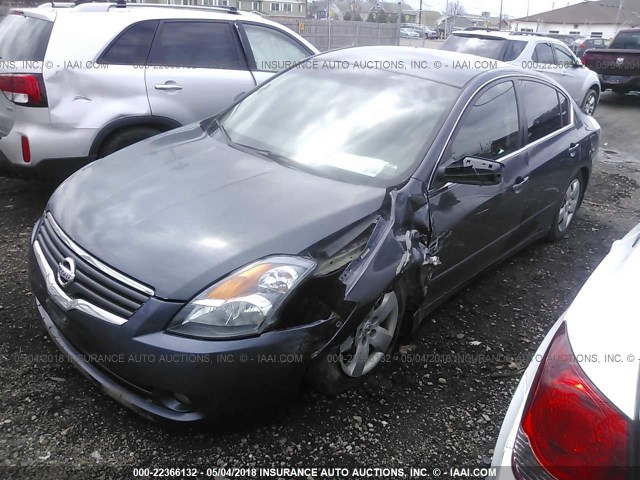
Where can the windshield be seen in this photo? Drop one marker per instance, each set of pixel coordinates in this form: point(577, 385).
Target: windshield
point(481, 46)
point(357, 125)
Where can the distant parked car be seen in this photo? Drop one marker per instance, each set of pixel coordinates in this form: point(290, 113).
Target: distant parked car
point(408, 33)
point(588, 43)
point(533, 52)
point(574, 413)
point(431, 34)
point(103, 76)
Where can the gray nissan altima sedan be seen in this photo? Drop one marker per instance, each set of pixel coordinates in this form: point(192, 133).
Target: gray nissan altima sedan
point(298, 233)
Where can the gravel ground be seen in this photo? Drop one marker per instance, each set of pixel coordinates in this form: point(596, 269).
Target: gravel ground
point(438, 404)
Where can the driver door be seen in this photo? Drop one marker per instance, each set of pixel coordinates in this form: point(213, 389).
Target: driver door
point(474, 225)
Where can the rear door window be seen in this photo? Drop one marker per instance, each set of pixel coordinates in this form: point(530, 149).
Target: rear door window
point(196, 44)
point(23, 38)
point(543, 53)
point(542, 109)
point(132, 46)
point(513, 50)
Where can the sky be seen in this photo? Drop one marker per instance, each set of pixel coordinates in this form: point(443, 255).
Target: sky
point(513, 8)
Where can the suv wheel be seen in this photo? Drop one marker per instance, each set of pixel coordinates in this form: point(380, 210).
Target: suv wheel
point(124, 138)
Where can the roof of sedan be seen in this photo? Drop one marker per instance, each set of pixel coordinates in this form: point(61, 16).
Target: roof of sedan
point(453, 68)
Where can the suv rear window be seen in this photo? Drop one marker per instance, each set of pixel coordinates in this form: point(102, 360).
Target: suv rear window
point(476, 45)
point(23, 38)
point(627, 40)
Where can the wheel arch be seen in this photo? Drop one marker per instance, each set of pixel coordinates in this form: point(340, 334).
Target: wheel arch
point(111, 129)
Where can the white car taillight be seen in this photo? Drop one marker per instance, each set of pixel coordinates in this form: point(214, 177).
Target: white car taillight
point(569, 429)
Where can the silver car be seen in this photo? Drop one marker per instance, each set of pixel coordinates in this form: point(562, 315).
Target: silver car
point(533, 52)
point(80, 83)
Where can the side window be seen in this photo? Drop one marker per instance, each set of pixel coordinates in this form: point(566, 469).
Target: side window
point(541, 107)
point(543, 53)
point(563, 57)
point(132, 46)
point(273, 50)
point(565, 109)
point(489, 128)
point(196, 45)
point(513, 50)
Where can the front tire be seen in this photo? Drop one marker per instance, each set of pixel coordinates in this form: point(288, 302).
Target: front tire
point(571, 202)
point(347, 365)
point(590, 101)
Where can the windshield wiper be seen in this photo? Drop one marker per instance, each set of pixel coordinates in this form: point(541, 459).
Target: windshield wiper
point(263, 152)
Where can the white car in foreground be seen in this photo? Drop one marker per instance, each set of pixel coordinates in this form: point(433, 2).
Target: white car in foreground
point(572, 415)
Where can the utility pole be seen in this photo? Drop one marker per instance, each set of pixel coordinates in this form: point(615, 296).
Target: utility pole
point(446, 17)
point(618, 15)
point(420, 14)
point(399, 19)
point(500, 20)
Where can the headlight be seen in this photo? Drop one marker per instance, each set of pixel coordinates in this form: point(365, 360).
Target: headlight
point(244, 302)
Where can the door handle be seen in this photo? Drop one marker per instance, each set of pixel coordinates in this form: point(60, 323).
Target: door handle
point(520, 182)
point(573, 149)
point(170, 86)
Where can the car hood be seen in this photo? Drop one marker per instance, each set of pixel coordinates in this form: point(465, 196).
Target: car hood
point(183, 209)
point(603, 327)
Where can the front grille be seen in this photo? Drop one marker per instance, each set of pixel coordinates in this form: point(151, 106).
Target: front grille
point(94, 283)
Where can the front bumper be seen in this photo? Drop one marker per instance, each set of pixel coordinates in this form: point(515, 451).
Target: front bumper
point(152, 372)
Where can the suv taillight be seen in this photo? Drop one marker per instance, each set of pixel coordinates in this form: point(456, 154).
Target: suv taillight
point(24, 89)
point(569, 429)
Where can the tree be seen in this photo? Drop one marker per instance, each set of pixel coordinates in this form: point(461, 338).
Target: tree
point(455, 8)
point(371, 18)
point(347, 16)
point(382, 17)
point(357, 17)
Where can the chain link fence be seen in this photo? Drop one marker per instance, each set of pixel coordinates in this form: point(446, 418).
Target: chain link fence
point(330, 34)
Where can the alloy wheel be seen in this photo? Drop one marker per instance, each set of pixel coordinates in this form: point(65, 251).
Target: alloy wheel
point(569, 205)
point(590, 103)
point(365, 349)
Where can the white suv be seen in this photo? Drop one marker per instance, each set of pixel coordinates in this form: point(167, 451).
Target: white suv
point(80, 83)
point(536, 52)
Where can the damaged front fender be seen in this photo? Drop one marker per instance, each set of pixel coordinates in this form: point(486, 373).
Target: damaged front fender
point(395, 254)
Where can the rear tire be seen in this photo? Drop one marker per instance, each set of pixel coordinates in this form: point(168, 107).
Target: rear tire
point(124, 138)
point(571, 201)
point(590, 101)
point(346, 366)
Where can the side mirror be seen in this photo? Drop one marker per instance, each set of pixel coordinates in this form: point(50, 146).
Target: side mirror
point(474, 171)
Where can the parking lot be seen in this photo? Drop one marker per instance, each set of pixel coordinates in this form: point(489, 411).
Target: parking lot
point(438, 404)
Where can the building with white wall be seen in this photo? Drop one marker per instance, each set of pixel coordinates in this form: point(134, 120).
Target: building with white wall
point(599, 18)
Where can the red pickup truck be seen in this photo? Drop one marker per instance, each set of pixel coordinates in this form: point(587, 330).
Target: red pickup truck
point(619, 65)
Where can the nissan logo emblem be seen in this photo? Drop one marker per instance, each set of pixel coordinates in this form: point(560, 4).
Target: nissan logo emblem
point(66, 271)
